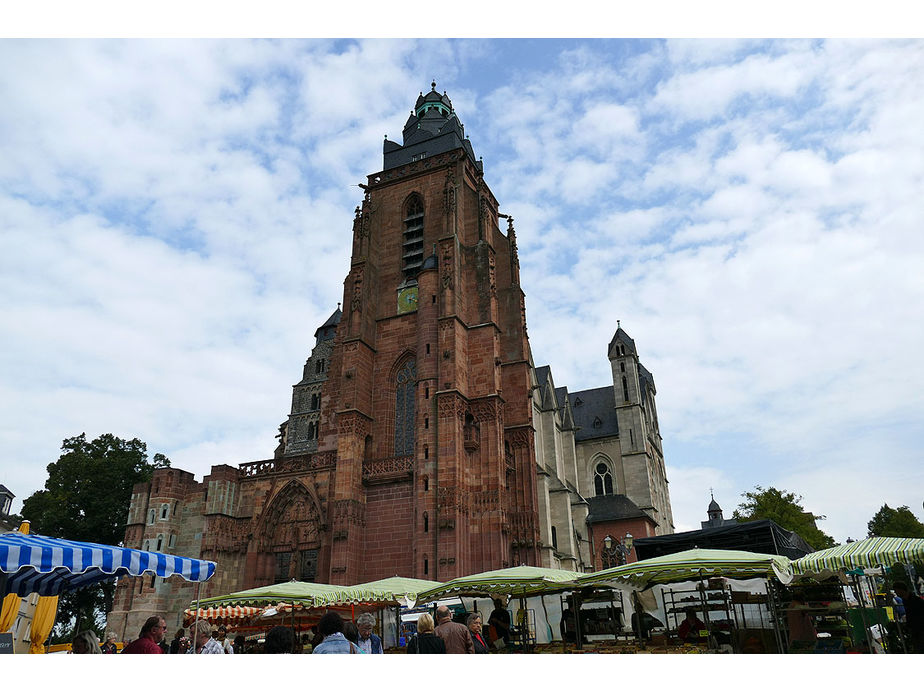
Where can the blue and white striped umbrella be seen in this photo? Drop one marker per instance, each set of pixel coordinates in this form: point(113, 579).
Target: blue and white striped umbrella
point(34, 563)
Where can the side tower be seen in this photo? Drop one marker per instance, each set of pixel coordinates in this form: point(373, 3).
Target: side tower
point(426, 404)
point(640, 439)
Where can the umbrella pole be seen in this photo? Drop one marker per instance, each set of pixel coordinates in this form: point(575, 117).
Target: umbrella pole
point(196, 622)
point(578, 633)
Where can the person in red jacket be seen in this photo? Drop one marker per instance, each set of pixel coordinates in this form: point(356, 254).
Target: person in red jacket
point(152, 632)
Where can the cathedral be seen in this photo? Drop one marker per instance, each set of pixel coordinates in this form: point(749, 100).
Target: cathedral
point(422, 440)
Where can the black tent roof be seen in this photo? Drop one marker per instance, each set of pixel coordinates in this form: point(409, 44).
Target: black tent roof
point(759, 536)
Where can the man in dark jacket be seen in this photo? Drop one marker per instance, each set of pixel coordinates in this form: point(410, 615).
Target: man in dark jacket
point(368, 641)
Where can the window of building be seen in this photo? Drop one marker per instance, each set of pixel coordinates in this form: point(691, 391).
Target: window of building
point(405, 382)
point(603, 480)
point(172, 542)
point(412, 247)
point(160, 542)
point(283, 560)
point(554, 538)
point(426, 522)
point(164, 511)
point(625, 389)
point(622, 367)
point(152, 516)
point(308, 565)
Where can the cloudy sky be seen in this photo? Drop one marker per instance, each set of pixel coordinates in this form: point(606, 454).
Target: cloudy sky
point(175, 222)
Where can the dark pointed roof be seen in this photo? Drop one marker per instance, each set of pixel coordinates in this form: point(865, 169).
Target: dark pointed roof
point(623, 337)
point(433, 100)
point(714, 507)
point(327, 330)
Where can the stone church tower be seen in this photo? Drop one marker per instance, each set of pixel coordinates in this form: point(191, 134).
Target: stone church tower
point(421, 439)
point(425, 406)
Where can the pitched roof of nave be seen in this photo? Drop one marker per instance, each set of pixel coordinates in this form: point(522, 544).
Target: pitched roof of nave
point(594, 413)
point(612, 507)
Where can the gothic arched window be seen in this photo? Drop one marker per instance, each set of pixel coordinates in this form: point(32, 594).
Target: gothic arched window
point(412, 247)
point(405, 382)
point(603, 480)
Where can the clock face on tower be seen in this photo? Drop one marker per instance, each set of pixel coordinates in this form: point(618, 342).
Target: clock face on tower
point(407, 299)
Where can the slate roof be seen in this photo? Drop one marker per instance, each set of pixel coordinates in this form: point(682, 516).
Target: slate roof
point(621, 336)
point(613, 507)
point(645, 375)
point(327, 330)
point(428, 133)
point(597, 405)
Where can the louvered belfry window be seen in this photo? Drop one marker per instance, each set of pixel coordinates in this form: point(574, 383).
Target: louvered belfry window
point(412, 246)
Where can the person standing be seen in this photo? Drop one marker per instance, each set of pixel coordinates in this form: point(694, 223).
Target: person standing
point(331, 627)
point(110, 647)
point(152, 632)
point(177, 643)
point(456, 636)
point(86, 642)
point(368, 641)
point(424, 641)
point(224, 640)
point(500, 619)
point(914, 616)
point(279, 640)
point(474, 627)
point(203, 642)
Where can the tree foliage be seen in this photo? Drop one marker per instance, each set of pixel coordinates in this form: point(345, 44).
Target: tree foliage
point(786, 510)
point(86, 498)
point(898, 522)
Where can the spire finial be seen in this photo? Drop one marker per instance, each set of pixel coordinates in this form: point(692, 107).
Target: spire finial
point(711, 495)
point(433, 85)
point(338, 305)
point(617, 324)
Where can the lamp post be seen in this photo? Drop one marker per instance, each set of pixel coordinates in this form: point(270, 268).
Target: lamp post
point(616, 553)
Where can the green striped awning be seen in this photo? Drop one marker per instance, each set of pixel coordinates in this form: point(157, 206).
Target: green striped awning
point(521, 581)
point(691, 565)
point(391, 591)
point(293, 592)
point(866, 553)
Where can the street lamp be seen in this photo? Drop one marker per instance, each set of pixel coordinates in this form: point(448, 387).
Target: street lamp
point(616, 553)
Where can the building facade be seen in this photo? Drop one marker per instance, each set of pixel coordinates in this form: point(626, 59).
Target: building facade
point(421, 440)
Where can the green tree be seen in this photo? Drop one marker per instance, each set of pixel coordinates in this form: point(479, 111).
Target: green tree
point(898, 522)
point(86, 498)
point(786, 510)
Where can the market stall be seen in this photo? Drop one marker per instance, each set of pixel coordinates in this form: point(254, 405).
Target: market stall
point(863, 563)
point(519, 583)
point(707, 593)
point(36, 564)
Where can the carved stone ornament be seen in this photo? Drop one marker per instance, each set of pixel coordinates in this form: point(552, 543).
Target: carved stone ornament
point(485, 410)
point(447, 266)
point(357, 300)
point(521, 438)
point(352, 423)
point(492, 274)
point(449, 193)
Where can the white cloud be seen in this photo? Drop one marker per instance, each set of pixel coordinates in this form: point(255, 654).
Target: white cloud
point(176, 222)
